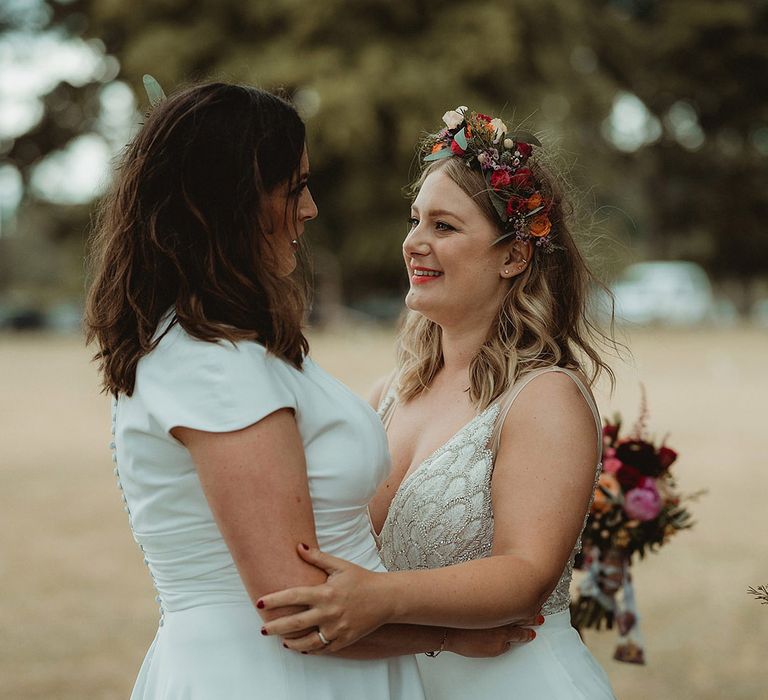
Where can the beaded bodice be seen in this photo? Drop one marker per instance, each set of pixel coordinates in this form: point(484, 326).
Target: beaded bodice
point(442, 513)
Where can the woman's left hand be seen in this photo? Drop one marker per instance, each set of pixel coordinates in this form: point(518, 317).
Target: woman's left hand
point(348, 606)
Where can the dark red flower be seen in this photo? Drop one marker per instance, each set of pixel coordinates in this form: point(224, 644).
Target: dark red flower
point(641, 455)
point(500, 179)
point(515, 205)
point(524, 149)
point(484, 117)
point(458, 150)
point(628, 477)
point(667, 457)
point(611, 432)
point(522, 178)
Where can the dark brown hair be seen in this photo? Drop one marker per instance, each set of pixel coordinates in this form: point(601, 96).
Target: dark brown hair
point(184, 227)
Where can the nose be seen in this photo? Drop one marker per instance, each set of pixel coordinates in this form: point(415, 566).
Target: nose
point(308, 208)
point(415, 242)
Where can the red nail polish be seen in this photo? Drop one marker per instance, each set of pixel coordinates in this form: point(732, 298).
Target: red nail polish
point(260, 605)
point(263, 630)
point(533, 635)
point(304, 547)
point(540, 619)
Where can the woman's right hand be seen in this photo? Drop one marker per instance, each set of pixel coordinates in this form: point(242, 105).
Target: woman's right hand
point(490, 642)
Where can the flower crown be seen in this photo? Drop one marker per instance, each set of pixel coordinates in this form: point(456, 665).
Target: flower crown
point(502, 158)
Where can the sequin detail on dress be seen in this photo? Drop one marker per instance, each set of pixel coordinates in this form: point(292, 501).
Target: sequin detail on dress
point(442, 513)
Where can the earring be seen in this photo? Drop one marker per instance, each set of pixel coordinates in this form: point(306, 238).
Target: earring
point(506, 272)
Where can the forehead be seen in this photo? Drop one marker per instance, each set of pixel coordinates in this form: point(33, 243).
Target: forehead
point(438, 191)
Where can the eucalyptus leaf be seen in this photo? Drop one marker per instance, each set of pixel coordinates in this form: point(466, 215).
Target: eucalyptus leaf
point(499, 205)
point(502, 237)
point(461, 139)
point(438, 155)
point(154, 91)
point(526, 137)
point(534, 211)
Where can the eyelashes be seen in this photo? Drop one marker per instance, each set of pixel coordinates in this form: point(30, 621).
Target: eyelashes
point(413, 222)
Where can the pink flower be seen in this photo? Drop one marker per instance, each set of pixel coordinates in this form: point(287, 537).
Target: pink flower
point(611, 465)
point(642, 503)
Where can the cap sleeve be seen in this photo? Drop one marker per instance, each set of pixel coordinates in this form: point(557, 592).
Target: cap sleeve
point(212, 386)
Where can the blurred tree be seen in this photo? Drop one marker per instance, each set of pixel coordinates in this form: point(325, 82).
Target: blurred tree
point(370, 76)
point(699, 66)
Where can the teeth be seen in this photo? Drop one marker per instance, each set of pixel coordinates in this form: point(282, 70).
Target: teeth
point(427, 273)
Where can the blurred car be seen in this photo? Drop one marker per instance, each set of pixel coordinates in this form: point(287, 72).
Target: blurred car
point(667, 292)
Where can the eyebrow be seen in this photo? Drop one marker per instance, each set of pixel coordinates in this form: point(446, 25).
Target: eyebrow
point(434, 213)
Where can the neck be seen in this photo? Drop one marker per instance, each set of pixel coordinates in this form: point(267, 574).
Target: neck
point(460, 345)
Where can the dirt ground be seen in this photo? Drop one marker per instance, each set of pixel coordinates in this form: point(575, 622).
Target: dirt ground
point(76, 602)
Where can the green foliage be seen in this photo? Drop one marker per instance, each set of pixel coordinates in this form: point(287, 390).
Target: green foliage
point(373, 76)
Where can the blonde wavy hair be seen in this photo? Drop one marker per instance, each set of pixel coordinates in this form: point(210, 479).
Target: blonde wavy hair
point(542, 321)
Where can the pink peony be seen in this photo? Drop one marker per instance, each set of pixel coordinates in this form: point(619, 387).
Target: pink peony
point(642, 503)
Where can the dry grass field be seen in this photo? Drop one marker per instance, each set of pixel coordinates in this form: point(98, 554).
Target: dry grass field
point(76, 603)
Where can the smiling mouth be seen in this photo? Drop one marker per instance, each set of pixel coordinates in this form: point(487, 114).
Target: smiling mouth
point(424, 275)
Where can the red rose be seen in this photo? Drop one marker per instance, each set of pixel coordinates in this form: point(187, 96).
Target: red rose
point(500, 179)
point(515, 205)
point(458, 150)
point(666, 457)
point(523, 177)
point(611, 432)
point(524, 149)
point(628, 477)
point(484, 117)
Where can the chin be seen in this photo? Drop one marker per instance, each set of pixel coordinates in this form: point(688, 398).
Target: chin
point(416, 302)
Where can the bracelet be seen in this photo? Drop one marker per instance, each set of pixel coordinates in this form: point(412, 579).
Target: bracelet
point(433, 654)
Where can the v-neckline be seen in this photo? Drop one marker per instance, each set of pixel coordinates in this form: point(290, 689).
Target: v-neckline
point(412, 472)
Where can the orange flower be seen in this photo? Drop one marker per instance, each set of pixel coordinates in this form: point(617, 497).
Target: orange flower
point(540, 225)
point(535, 201)
point(603, 503)
point(437, 147)
point(490, 128)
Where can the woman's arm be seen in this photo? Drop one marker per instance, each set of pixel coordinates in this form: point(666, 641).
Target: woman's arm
point(377, 391)
point(543, 478)
point(400, 640)
point(255, 481)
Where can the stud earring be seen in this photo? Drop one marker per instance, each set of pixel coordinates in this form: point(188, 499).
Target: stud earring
point(506, 272)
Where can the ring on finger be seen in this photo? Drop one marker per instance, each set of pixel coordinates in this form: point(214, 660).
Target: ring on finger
point(323, 639)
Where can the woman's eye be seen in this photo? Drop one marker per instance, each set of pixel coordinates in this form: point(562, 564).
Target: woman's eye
point(412, 222)
point(442, 226)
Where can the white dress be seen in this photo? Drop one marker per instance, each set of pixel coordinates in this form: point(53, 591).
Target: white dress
point(208, 645)
point(442, 515)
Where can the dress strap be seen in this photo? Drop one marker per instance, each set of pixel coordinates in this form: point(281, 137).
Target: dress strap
point(507, 399)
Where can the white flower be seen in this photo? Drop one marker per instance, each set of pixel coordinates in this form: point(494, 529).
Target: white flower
point(508, 143)
point(500, 128)
point(482, 158)
point(453, 118)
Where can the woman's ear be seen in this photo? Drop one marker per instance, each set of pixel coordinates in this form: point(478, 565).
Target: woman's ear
point(516, 260)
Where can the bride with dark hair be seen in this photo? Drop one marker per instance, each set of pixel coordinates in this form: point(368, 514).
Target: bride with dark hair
point(495, 436)
point(230, 444)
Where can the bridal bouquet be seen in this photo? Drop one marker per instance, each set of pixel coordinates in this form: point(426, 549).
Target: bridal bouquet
point(637, 508)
